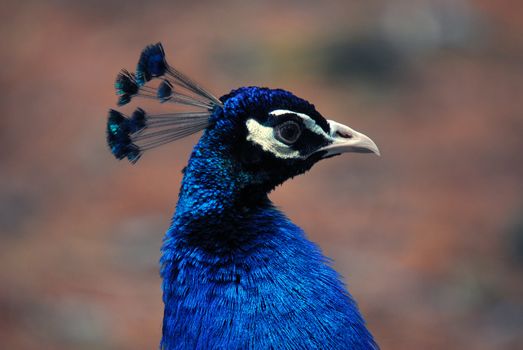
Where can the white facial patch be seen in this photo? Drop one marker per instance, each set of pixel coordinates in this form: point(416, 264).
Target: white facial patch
point(264, 135)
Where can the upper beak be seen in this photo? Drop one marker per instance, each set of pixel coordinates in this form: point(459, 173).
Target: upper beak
point(345, 139)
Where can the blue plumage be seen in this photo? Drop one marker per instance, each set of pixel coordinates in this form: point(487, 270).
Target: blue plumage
point(238, 274)
point(125, 83)
point(126, 87)
point(118, 127)
point(151, 64)
point(138, 120)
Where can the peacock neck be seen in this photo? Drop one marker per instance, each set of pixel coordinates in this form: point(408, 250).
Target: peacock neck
point(231, 261)
point(214, 201)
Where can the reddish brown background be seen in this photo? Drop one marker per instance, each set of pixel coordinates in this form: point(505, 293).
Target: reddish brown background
point(429, 237)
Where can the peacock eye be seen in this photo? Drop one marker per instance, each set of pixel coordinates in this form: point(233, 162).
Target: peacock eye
point(287, 132)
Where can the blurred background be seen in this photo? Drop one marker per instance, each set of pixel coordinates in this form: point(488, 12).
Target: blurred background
point(429, 237)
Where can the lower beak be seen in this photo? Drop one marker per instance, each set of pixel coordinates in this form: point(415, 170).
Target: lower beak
point(345, 139)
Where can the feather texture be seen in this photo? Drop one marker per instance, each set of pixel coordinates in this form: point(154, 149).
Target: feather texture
point(129, 137)
point(237, 273)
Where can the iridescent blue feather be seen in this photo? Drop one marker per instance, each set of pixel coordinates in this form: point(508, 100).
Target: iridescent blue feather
point(129, 137)
point(237, 273)
point(138, 120)
point(151, 64)
point(118, 129)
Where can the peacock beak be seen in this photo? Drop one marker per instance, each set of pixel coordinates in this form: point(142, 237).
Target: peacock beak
point(345, 139)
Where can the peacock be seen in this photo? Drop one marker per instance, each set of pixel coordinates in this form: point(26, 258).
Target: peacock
point(237, 273)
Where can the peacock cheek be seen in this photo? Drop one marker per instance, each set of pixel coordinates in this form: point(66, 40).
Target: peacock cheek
point(250, 156)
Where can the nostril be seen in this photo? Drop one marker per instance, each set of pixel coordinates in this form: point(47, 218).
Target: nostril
point(344, 134)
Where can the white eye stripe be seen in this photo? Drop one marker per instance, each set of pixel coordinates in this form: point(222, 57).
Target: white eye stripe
point(308, 121)
point(278, 112)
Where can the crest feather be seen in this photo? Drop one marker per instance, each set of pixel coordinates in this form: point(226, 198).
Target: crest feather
point(128, 137)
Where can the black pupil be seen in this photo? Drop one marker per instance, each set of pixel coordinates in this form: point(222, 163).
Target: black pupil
point(289, 132)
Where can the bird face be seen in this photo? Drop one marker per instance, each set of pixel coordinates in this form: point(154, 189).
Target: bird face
point(294, 135)
point(276, 135)
point(260, 136)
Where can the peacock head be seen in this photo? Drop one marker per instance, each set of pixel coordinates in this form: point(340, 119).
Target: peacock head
point(268, 135)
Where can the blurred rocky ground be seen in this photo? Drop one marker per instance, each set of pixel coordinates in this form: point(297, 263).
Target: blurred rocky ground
point(429, 237)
